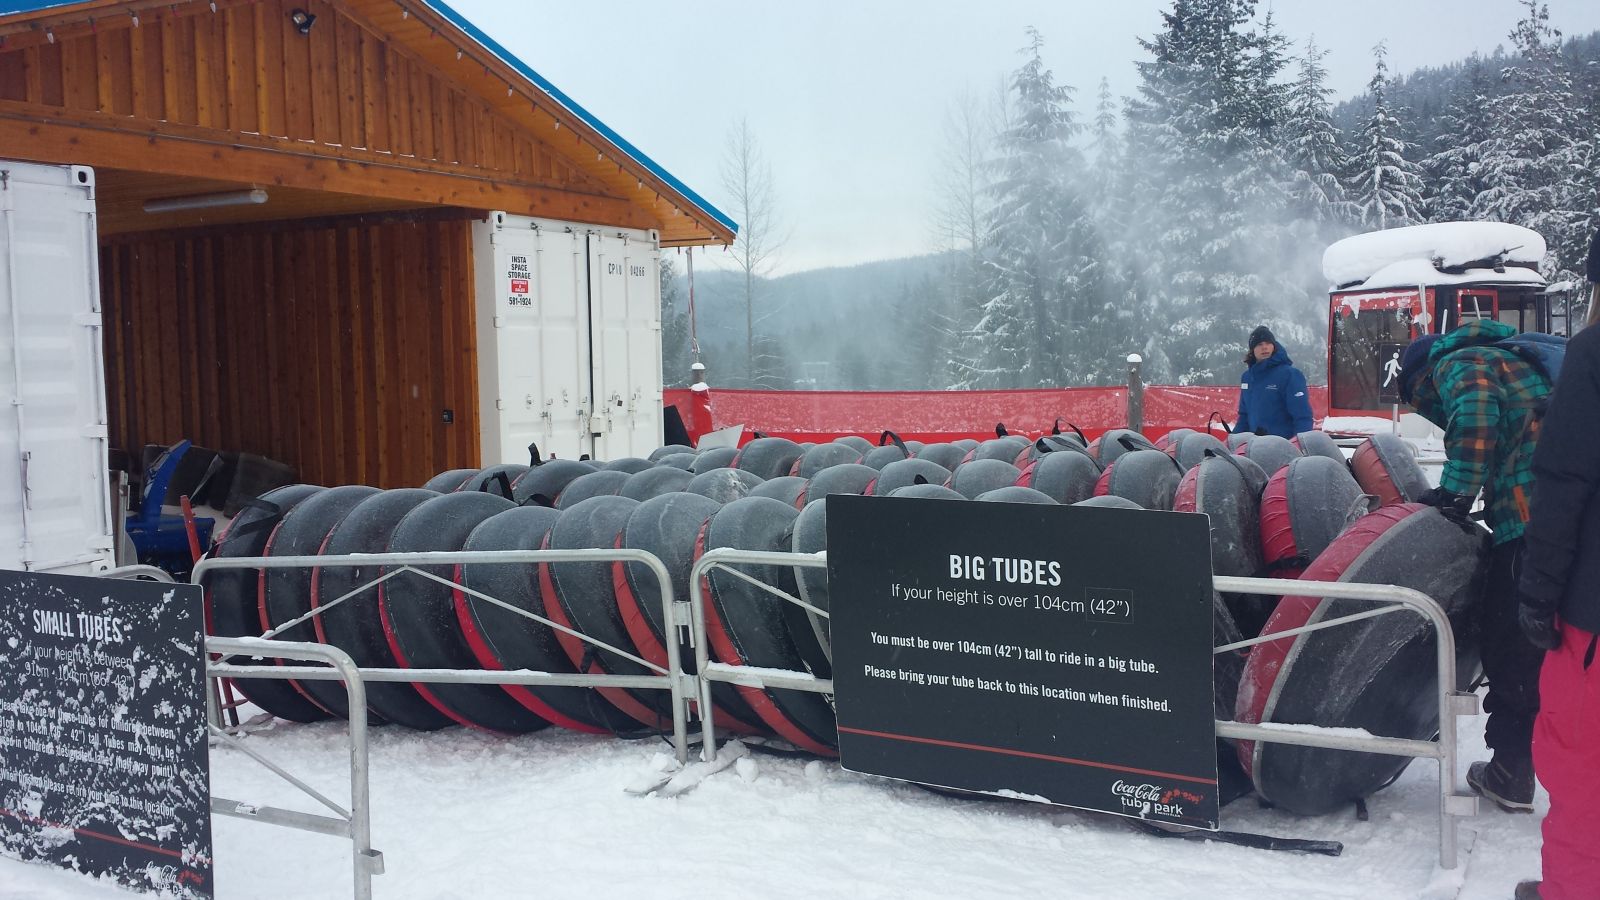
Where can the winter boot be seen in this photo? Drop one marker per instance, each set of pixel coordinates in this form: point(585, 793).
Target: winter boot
point(1509, 786)
point(1528, 890)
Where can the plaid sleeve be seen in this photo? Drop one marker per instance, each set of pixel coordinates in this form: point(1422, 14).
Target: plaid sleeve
point(1472, 408)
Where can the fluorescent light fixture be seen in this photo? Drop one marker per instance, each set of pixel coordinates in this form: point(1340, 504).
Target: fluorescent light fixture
point(206, 201)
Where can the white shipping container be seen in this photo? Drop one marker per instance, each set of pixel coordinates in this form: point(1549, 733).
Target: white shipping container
point(55, 504)
point(569, 339)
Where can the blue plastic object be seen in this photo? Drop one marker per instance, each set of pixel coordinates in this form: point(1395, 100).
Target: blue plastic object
point(161, 540)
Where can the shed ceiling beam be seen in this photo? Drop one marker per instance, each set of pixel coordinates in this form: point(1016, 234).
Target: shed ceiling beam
point(55, 136)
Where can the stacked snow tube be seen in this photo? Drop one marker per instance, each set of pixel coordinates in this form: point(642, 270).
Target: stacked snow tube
point(1147, 477)
point(1270, 452)
point(1386, 467)
point(1305, 506)
point(1376, 674)
point(679, 504)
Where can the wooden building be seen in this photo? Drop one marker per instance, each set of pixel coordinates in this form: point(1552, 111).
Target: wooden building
point(286, 192)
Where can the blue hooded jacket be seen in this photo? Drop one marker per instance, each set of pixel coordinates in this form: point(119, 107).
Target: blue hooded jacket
point(1272, 398)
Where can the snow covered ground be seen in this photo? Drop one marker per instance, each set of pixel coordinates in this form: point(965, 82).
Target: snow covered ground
point(464, 815)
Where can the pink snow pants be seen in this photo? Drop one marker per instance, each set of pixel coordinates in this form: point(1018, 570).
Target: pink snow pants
point(1566, 757)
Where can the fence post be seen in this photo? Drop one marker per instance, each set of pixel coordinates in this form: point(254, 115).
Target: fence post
point(1135, 393)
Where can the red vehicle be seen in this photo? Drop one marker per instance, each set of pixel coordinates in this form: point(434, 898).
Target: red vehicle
point(1397, 284)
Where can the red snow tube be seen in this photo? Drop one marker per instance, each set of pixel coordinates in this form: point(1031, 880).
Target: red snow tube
point(1147, 477)
point(1306, 505)
point(1386, 467)
point(746, 626)
point(1376, 673)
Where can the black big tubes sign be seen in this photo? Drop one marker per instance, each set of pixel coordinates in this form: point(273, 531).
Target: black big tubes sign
point(1051, 653)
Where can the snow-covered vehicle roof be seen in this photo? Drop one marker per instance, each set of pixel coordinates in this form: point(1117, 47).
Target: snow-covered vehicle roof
point(1439, 247)
point(1412, 272)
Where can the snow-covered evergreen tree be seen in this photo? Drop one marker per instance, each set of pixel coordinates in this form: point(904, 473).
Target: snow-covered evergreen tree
point(1206, 181)
point(1386, 186)
point(1311, 143)
point(1455, 176)
point(676, 355)
point(1533, 161)
point(1042, 258)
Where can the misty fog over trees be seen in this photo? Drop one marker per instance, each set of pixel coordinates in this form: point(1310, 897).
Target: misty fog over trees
point(1073, 230)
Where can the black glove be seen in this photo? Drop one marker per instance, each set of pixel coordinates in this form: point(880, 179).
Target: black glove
point(1538, 625)
point(1447, 502)
point(1261, 432)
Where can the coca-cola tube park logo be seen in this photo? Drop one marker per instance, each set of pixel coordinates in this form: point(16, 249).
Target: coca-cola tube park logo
point(1146, 799)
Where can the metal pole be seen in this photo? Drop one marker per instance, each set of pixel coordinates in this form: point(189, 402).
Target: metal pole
point(1135, 393)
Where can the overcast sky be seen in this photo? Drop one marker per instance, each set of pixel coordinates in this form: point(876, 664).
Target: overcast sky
point(848, 100)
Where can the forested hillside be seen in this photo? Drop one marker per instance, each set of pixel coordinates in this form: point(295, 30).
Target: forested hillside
point(1173, 221)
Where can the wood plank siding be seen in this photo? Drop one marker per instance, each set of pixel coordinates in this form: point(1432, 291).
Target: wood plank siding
point(240, 93)
point(334, 346)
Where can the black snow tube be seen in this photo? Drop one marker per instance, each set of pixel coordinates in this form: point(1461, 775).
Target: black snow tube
point(355, 625)
point(419, 614)
point(1270, 452)
point(947, 455)
point(823, 456)
point(1239, 439)
point(286, 593)
point(905, 472)
point(502, 639)
point(582, 596)
point(810, 535)
point(684, 461)
point(1016, 494)
point(1065, 477)
point(768, 458)
point(236, 596)
point(981, 476)
point(1106, 448)
point(1385, 466)
point(669, 527)
point(654, 482)
point(928, 492)
point(861, 444)
point(850, 478)
point(1221, 488)
point(878, 457)
point(1168, 441)
point(1377, 674)
point(724, 485)
point(1111, 501)
point(714, 458)
point(548, 480)
point(748, 626)
point(1305, 506)
point(451, 481)
point(594, 484)
point(1005, 449)
point(1317, 443)
point(660, 453)
point(1191, 448)
point(1147, 477)
point(630, 464)
point(787, 489)
point(1226, 670)
point(496, 479)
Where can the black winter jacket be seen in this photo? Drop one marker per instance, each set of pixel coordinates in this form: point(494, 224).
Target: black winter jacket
point(1561, 565)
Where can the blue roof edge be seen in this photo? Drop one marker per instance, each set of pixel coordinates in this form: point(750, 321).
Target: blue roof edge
point(526, 71)
point(12, 7)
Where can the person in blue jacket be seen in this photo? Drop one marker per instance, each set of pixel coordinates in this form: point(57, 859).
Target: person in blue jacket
point(1272, 392)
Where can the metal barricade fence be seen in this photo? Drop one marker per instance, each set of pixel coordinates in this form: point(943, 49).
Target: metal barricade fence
point(1451, 703)
point(355, 823)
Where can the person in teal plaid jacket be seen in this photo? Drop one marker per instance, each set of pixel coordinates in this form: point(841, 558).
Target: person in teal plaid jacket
point(1489, 401)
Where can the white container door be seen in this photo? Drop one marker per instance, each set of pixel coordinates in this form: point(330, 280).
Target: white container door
point(625, 312)
point(55, 506)
point(533, 338)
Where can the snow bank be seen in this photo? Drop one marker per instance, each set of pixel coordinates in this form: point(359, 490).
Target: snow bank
point(1358, 258)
